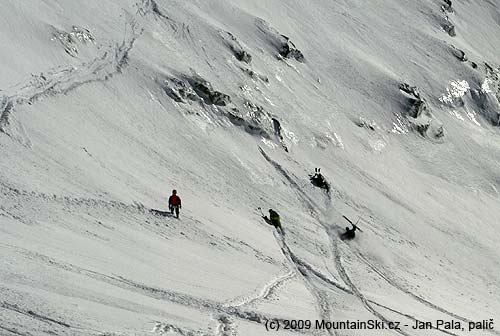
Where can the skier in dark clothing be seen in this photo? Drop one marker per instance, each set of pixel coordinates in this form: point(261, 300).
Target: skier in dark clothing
point(174, 203)
point(319, 180)
point(350, 233)
point(274, 219)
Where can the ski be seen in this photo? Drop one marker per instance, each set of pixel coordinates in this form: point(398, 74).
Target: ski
point(356, 225)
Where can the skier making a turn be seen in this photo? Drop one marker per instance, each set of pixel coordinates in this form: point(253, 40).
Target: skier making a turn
point(174, 203)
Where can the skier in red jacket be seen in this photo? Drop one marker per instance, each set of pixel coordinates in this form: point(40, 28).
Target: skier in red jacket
point(174, 203)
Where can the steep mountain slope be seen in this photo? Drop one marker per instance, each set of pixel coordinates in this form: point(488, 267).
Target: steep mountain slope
point(106, 107)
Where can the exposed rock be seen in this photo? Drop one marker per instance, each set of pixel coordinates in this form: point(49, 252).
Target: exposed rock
point(447, 6)
point(6, 106)
point(281, 43)
point(70, 40)
point(255, 75)
point(259, 121)
point(251, 126)
point(253, 118)
point(449, 26)
point(439, 132)
point(194, 88)
point(243, 56)
point(460, 54)
point(204, 89)
point(493, 74)
point(238, 51)
point(277, 131)
point(418, 108)
point(418, 114)
point(219, 98)
point(487, 97)
point(417, 105)
point(411, 90)
point(362, 122)
point(255, 112)
point(180, 90)
point(288, 50)
point(488, 105)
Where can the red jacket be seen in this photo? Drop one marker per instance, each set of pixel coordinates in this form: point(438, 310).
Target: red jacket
point(174, 200)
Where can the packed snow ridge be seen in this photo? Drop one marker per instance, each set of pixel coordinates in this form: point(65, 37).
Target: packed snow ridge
point(381, 114)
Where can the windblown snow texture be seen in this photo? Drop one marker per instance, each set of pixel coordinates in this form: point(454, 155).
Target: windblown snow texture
point(106, 106)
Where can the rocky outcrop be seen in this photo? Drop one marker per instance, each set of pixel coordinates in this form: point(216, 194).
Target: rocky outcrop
point(252, 126)
point(180, 91)
point(194, 88)
point(278, 133)
point(72, 40)
point(418, 114)
point(368, 124)
point(289, 50)
point(447, 6)
point(205, 91)
point(449, 26)
point(253, 118)
point(6, 106)
point(487, 97)
point(254, 75)
point(488, 105)
point(460, 54)
point(284, 47)
point(235, 46)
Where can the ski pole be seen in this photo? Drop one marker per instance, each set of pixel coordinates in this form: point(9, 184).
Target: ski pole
point(261, 211)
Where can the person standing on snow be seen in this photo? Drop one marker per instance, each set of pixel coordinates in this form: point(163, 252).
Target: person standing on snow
point(174, 203)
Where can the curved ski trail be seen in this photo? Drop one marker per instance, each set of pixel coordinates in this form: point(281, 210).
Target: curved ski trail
point(342, 271)
point(336, 253)
point(61, 80)
point(323, 306)
point(264, 293)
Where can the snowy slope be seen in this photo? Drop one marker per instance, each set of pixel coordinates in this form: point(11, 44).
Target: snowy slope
point(108, 105)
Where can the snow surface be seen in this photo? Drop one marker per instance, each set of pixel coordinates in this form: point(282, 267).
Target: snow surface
point(104, 111)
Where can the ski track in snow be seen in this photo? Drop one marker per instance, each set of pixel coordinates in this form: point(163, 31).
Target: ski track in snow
point(167, 328)
point(345, 277)
point(19, 197)
point(13, 331)
point(187, 300)
point(30, 313)
point(62, 80)
point(225, 326)
point(264, 293)
point(322, 304)
point(13, 208)
point(203, 305)
point(352, 289)
point(313, 207)
point(410, 317)
point(418, 298)
point(44, 319)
